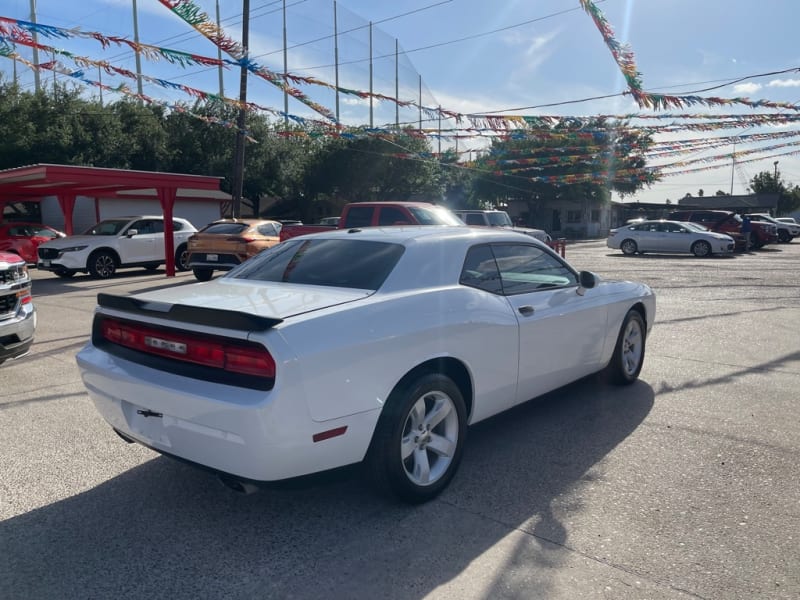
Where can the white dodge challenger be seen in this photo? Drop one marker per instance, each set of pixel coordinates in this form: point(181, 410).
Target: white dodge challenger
point(375, 345)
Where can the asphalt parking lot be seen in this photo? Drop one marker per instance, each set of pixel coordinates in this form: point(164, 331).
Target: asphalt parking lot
point(684, 485)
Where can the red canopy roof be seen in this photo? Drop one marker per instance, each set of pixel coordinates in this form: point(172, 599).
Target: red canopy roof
point(35, 182)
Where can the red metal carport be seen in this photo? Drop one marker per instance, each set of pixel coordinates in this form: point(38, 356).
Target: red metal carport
point(66, 183)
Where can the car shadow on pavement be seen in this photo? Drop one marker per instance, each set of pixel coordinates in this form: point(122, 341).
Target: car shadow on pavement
point(166, 530)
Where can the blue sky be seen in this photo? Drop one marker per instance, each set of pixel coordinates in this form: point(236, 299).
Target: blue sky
point(518, 54)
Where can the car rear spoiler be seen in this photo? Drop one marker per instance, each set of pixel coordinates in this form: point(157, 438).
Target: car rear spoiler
point(199, 315)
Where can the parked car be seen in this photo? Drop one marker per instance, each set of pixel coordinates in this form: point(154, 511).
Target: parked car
point(723, 221)
point(669, 236)
point(226, 243)
point(380, 214)
point(17, 313)
point(790, 220)
point(379, 345)
point(23, 239)
point(113, 244)
point(498, 218)
point(786, 231)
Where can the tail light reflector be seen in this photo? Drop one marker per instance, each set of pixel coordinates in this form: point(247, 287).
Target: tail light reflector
point(228, 355)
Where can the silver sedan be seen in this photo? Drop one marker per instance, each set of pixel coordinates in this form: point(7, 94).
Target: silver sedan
point(669, 236)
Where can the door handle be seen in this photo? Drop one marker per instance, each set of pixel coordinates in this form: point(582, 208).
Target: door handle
point(525, 311)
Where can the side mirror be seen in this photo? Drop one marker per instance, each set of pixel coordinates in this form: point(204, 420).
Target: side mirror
point(587, 281)
point(132, 232)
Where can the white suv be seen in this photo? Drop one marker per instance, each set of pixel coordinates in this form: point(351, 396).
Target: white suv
point(115, 243)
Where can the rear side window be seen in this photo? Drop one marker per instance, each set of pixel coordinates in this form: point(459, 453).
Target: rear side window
point(358, 216)
point(473, 219)
point(390, 215)
point(335, 263)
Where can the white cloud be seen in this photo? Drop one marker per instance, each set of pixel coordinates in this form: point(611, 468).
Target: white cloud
point(784, 83)
point(747, 88)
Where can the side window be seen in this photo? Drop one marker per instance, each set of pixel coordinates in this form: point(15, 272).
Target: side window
point(267, 229)
point(390, 215)
point(358, 216)
point(473, 219)
point(177, 226)
point(140, 226)
point(480, 270)
point(525, 268)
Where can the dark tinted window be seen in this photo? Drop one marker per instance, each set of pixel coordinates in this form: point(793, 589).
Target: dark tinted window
point(268, 229)
point(336, 263)
point(358, 216)
point(473, 219)
point(390, 215)
point(480, 270)
point(225, 228)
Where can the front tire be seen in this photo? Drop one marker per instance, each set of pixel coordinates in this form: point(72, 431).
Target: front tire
point(701, 249)
point(64, 273)
point(628, 358)
point(419, 440)
point(784, 237)
point(628, 247)
point(102, 265)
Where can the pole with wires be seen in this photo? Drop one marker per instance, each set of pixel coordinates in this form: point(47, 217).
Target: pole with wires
point(238, 162)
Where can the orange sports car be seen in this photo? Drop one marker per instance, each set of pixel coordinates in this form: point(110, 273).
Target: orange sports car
point(224, 244)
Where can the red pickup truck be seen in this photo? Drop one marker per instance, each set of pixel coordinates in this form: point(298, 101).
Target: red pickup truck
point(380, 214)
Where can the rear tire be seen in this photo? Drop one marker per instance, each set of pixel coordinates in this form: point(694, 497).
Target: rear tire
point(182, 258)
point(628, 247)
point(419, 439)
point(628, 358)
point(202, 273)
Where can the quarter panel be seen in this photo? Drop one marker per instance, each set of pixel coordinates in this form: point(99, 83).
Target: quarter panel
point(352, 358)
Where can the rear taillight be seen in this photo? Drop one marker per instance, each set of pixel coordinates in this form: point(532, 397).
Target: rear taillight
point(233, 356)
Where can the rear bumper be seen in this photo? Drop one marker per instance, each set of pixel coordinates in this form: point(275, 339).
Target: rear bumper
point(223, 262)
point(251, 434)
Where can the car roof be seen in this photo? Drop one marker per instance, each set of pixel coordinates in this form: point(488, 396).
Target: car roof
point(408, 234)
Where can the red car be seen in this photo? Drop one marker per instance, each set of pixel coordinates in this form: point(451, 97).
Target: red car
point(23, 239)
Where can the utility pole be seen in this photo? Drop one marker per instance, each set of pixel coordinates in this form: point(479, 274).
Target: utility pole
point(37, 82)
point(219, 57)
point(238, 161)
point(138, 58)
point(775, 164)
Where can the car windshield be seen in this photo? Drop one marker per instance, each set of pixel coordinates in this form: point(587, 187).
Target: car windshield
point(434, 216)
point(344, 263)
point(109, 227)
point(499, 219)
point(694, 226)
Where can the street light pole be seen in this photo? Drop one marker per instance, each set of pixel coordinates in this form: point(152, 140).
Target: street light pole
point(776, 172)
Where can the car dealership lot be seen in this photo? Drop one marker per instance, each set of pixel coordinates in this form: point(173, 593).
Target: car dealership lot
point(684, 485)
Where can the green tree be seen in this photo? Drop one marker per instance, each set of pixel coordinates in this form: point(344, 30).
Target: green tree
point(372, 168)
point(766, 182)
point(537, 165)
